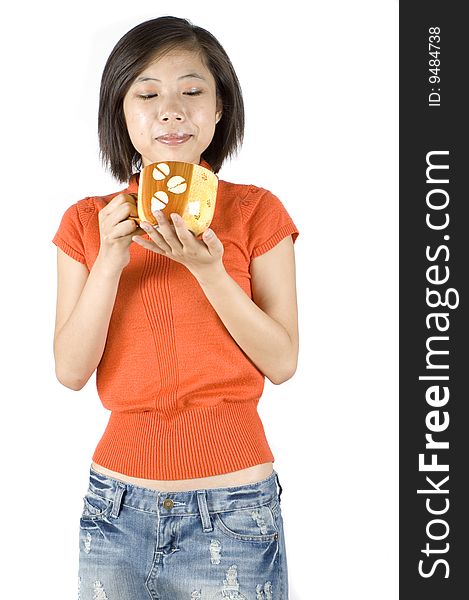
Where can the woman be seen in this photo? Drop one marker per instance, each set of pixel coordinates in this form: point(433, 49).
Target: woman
point(182, 499)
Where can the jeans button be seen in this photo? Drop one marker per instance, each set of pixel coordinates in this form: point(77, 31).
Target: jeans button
point(168, 503)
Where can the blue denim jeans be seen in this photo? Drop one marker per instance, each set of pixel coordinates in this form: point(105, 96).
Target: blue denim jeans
point(141, 544)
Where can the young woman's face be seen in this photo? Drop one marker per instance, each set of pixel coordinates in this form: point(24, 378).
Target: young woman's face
point(175, 94)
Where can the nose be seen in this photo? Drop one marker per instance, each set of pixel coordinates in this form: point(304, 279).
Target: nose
point(171, 110)
point(171, 116)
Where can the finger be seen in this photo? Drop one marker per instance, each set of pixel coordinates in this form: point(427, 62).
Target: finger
point(168, 232)
point(181, 230)
point(149, 245)
point(119, 215)
point(118, 200)
point(131, 200)
point(175, 225)
point(116, 209)
point(156, 236)
point(213, 243)
point(122, 229)
point(161, 218)
point(121, 199)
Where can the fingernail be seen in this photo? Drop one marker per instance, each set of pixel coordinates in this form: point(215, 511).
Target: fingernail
point(145, 226)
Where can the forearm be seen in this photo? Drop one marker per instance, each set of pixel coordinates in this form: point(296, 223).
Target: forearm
point(263, 339)
point(80, 343)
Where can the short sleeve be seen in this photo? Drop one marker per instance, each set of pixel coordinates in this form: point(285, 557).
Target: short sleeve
point(70, 234)
point(267, 221)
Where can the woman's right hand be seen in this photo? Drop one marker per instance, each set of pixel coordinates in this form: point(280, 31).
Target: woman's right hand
point(116, 230)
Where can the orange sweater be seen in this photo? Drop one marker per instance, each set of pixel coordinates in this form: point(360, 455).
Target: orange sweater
point(182, 394)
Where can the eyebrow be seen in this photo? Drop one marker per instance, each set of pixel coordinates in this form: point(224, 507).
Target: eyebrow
point(193, 75)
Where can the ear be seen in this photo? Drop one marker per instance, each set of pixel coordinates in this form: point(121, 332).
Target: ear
point(219, 112)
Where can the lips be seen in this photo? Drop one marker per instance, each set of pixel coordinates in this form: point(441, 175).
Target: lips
point(174, 138)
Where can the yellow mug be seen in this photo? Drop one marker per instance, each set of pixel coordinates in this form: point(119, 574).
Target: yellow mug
point(187, 189)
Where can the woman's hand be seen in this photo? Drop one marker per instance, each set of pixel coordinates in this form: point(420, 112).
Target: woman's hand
point(116, 230)
point(202, 257)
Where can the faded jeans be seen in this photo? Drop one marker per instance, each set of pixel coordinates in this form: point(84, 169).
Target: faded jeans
point(141, 544)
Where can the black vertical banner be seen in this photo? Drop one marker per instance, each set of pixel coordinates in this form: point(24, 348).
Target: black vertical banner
point(434, 356)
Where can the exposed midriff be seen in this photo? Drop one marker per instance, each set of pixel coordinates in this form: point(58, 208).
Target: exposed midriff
point(235, 478)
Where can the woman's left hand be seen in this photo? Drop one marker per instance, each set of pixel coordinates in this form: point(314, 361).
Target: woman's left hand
point(175, 241)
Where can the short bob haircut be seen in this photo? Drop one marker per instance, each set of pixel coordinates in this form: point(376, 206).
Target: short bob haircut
point(131, 55)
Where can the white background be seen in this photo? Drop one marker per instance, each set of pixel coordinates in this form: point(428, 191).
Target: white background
point(321, 96)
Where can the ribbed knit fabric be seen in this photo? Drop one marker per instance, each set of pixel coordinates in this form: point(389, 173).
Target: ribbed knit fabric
point(183, 395)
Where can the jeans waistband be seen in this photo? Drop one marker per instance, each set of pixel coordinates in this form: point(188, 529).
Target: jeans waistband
point(200, 501)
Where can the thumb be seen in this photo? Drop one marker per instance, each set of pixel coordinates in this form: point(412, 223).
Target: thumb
point(208, 235)
point(214, 244)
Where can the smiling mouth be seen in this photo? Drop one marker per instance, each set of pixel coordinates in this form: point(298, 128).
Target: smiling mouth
point(173, 140)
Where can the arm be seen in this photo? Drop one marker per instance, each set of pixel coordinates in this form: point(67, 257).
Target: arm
point(265, 328)
point(85, 300)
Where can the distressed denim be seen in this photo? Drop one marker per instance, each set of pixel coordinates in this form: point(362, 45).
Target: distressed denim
point(206, 544)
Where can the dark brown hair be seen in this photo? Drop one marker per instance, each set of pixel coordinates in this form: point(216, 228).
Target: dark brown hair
point(130, 56)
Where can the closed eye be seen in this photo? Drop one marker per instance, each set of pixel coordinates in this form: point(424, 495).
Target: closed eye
point(148, 96)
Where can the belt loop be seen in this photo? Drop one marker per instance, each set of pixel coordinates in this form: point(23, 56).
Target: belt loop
point(278, 483)
point(120, 489)
point(203, 509)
